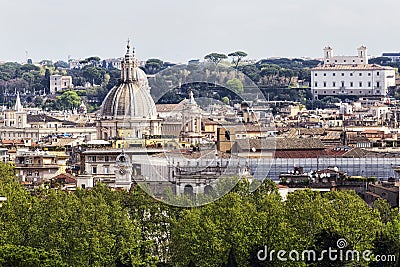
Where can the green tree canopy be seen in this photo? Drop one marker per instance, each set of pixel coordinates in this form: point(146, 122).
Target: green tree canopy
point(153, 65)
point(235, 85)
point(237, 57)
point(215, 57)
point(68, 100)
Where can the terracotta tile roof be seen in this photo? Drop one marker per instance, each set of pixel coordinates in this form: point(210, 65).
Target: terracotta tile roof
point(352, 67)
point(63, 142)
point(295, 132)
point(204, 154)
point(358, 153)
point(280, 144)
point(41, 118)
point(299, 154)
point(299, 143)
point(68, 177)
point(167, 107)
point(336, 151)
point(171, 107)
point(331, 135)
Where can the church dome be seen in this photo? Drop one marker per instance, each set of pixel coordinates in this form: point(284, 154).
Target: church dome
point(131, 98)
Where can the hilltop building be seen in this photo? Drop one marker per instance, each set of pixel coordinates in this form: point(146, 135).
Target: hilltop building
point(350, 76)
point(59, 83)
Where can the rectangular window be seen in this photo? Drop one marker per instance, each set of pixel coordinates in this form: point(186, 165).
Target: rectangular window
point(106, 169)
point(94, 169)
point(378, 84)
point(324, 84)
point(351, 84)
point(360, 84)
point(342, 84)
point(369, 84)
point(377, 73)
point(369, 74)
point(333, 74)
point(342, 74)
point(106, 158)
point(360, 74)
point(93, 158)
point(334, 84)
point(316, 84)
point(351, 74)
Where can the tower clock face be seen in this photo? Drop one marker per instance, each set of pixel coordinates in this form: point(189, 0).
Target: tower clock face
point(122, 171)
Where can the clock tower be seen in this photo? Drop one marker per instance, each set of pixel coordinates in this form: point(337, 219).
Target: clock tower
point(123, 172)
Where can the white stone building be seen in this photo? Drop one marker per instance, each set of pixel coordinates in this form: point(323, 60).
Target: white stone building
point(59, 83)
point(19, 124)
point(350, 75)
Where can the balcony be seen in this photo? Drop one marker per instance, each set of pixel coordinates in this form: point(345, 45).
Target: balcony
point(36, 166)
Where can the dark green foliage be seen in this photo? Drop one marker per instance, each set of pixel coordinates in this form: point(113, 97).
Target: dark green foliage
point(20, 256)
point(215, 57)
point(101, 227)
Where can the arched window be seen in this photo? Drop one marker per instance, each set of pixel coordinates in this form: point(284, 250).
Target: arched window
point(188, 190)
point(208, 189)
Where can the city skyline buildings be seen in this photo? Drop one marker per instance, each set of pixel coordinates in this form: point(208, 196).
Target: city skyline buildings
point(179, 31)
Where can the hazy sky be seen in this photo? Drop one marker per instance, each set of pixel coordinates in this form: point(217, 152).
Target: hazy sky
point(177, 30)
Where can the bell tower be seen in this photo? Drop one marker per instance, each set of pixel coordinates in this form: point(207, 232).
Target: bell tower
point(328, 54)
point(123, 171)
point(191, 121)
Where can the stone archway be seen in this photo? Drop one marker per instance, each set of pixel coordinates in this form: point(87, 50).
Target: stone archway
point(188, 190)
point(208, 189)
